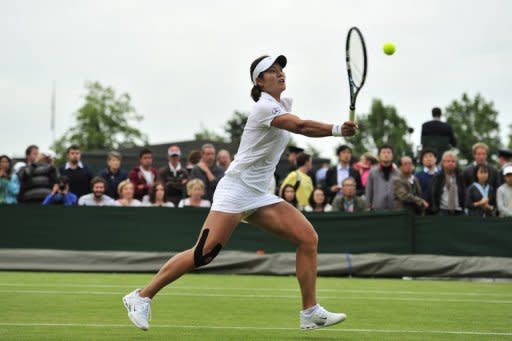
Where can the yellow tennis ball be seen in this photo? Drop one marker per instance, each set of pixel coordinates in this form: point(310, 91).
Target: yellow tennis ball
point(389, 48)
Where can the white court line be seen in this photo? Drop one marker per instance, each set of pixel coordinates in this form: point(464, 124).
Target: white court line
point(339, 330)
point(340, 297)
point(182, 287)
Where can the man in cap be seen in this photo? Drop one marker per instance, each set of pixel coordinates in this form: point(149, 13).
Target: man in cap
point(504, 194)
point(504, 160)
point(174, 176)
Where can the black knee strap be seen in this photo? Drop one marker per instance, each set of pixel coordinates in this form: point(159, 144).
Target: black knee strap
point(199, 258)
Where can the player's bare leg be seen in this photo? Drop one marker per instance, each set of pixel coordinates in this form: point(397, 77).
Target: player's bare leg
point(215, 233)
point(286, 221)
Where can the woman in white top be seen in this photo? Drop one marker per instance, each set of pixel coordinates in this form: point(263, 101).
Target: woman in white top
point(318, 202)
point(126, 191)
point(195, 191)
point(243, 194)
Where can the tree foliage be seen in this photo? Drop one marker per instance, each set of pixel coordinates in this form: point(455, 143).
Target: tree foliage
point(235, 126)
point(233, 129)
point(510, 137)
point(382, 125)
point(474, 120)
point(103, 122)
point(206, 134)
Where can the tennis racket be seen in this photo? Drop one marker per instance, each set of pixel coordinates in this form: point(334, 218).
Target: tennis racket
point(357, 64)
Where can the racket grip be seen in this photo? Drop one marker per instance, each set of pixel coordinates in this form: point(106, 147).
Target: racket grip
point(352, 115)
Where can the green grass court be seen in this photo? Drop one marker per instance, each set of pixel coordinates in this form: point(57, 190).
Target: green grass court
point(83, 306)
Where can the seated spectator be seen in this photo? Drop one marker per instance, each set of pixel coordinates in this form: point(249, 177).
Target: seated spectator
point(318, 202)
point(480, 196)
point(60, 194)
point(407, 188)
point(348, 201)
point(504, 194)
point(223, 159)
point(126, 191)
point(77, 172)
point(195, 191)
point(174, 176)
point(379, 186)
point(113, 174)
point(157, 196)
point(448, 190)
point(300, 180)
point(144, 175)
point(288, 194)
point(207, 171)
point(9, 183)
point(365, 164)
point(335, 175)
point(98, 196)
point(37, 180)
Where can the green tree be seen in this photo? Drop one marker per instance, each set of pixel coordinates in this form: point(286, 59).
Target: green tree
point(235, 126)
point(510, 137)
point(474, 120)
point(382, 125)
point(206, 134)
point(103, 122)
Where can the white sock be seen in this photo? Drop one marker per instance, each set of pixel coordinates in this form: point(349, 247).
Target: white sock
point(310, 310)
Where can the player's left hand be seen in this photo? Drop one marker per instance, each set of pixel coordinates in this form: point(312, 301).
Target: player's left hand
point(349, 128)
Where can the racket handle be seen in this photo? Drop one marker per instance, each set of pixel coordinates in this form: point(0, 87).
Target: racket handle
point(352, 115)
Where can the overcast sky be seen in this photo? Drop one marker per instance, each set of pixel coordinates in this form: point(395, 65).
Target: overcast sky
point(186, 63)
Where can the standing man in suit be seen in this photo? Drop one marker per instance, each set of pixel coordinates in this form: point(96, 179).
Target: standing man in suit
point(437, 135)
point(335, 175)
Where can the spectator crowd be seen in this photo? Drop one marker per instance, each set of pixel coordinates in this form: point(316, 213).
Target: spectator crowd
point(434, 186)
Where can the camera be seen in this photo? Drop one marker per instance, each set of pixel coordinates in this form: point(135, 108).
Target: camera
point(63, 182)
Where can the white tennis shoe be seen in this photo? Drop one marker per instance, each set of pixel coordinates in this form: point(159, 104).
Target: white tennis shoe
point(139, 309)
point(320, 318)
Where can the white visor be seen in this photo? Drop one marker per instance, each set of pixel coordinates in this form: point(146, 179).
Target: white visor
point(265, 64)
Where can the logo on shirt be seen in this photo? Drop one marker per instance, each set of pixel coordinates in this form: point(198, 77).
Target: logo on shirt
point(276, 110)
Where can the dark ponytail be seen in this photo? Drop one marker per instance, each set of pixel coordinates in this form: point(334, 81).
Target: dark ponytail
point(256, 90)
point(256, 93)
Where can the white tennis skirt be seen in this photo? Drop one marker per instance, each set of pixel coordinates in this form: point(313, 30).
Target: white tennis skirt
point(233, 196)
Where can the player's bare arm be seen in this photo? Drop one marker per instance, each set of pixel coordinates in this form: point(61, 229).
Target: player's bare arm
point(311, 128)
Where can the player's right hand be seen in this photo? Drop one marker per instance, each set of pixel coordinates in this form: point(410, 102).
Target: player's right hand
point(349, 128)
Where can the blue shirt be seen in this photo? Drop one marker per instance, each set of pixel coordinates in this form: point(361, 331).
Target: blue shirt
point(69, 199)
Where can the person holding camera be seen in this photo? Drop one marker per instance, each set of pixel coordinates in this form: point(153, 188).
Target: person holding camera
point(60, 194)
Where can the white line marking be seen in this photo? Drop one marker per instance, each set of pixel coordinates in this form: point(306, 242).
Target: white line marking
point(340, 290)
point(339, 330)
point(339, 297)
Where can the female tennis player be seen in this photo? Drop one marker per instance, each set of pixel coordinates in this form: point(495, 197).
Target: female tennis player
point(242, 194)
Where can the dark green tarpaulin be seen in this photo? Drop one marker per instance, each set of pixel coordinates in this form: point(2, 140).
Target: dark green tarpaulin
point(165, 229)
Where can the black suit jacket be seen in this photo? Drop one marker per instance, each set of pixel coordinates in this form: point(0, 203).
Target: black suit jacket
point(438, 128)
point(438, 136)
point(331, 179)
point(438, 182)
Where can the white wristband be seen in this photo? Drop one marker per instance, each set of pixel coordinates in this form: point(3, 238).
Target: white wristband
point(336, 130)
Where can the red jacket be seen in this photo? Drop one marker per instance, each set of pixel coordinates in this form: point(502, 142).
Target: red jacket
point(137, 178)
